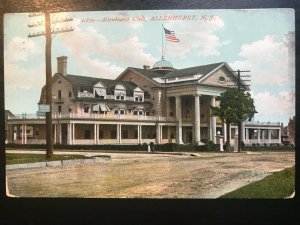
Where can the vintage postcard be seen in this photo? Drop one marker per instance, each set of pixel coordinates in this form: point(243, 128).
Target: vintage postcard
point(150, 104)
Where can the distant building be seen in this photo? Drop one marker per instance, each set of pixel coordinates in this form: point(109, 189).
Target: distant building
point(160, 104)
point(291, 130)
point(8, 115)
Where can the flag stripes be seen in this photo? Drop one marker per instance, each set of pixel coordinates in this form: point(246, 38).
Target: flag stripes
point(170, 36)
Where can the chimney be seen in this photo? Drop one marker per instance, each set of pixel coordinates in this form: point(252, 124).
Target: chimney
point(146, 67)
point(62, 65)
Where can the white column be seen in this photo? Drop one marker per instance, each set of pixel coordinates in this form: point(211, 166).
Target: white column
point(54, 138)
point(158, 134)
point(25, 134)
point(224, 131)
point(161, 133)
point(179, 120)
point(119, 133)
point(243, 131)
point(141, 134)
point(247, 136)
point(73, 133)
point(279, 136)
point(60, 134)
point(229, 133)
point(95, 133)
point(197, 120)
point(269, 135)
point(213, 121)
point(69, 134)
point(22, 133)
point(258, 135)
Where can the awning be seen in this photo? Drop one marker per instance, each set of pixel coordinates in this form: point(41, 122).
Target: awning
point(104, 107)
point(96, 108)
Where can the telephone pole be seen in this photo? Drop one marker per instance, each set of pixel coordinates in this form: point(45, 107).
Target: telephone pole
point(48, 35)
point(239, 89)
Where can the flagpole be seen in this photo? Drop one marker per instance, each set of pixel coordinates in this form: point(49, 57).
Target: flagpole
point(162, 41)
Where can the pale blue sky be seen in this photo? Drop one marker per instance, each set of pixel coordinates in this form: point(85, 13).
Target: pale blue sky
point(260, 40)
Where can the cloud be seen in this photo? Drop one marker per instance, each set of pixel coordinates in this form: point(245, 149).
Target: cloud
point(268, 105)
point(267, 59)
point(99, 68)
point(196, 35)
point(20, 49)
point(94, 50)
point(20, 78)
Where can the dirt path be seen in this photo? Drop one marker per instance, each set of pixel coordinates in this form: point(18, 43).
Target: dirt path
point(206, 175)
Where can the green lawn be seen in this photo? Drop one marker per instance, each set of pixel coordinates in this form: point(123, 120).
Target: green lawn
point(278, 185)
point(16, 158)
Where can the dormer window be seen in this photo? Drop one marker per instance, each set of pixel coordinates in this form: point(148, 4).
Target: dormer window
point(138, 95)
point(100, 90)
point(120, 92)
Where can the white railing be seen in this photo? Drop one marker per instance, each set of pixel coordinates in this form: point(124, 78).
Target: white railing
point(85, 95)
point(26, 116)
point(107, 117)
point(254, 123)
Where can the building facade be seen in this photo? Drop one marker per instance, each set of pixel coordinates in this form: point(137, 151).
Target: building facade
point(159, 104)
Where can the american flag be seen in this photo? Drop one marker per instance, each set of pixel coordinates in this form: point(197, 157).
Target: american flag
point(170, 35)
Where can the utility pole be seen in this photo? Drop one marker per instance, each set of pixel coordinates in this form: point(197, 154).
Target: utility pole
point(48, 35)
point(239, 89)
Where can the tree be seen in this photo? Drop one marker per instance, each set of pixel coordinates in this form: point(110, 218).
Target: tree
point(235, 107)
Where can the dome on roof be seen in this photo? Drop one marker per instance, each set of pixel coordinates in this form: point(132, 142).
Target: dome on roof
point(162, 64)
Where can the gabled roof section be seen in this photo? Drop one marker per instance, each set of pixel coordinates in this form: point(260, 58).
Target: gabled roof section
point(197, 70)
point(230, 71)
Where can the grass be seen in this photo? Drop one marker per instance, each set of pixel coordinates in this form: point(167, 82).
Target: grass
point(278, 185)
point(15, 158)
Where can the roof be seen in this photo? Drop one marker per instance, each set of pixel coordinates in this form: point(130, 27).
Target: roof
point(203, 70)
point(81, 83)
point(148, 73)
point(9, 114)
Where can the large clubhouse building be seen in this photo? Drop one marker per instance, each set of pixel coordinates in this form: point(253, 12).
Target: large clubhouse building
point(142, 105)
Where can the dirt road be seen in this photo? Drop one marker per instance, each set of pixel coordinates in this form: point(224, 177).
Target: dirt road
point(201, 175)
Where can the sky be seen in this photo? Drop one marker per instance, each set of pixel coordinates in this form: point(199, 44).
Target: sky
point(104, 43)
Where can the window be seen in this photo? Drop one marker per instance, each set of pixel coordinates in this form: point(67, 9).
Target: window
point(113, 134)
point(59, 109)
point(135, 112)
point(122, 97)
point(59, 94)
point(59, 81)
point(122, 111)
point(147, 113)
point(125, 134)
point(135, 134)
point(101, 134)
point(87, 134)
point(86, 108)
point(222, 80)
point(70, 94)
point(116, 111)
point(70, 110)
point(140, 112)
